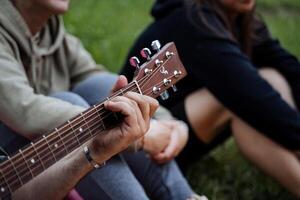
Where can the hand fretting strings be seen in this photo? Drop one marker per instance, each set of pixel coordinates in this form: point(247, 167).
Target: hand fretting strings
point(14, 178)
point(78, 138)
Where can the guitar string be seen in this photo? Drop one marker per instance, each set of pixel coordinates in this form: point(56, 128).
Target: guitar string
point(98, 111)
point(142, 80)
point(92, 130)
point(86, 118)
point(27, 173)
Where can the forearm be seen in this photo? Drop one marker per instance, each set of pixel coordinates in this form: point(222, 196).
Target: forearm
point(58, 180)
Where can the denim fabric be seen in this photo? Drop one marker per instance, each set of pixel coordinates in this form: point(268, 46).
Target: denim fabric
point(129, 176)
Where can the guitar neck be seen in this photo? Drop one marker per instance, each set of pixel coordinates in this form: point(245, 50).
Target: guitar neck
point(154, 77)
point(35, 158)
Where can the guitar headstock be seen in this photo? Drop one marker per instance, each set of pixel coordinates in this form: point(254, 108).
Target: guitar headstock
point(159, 72)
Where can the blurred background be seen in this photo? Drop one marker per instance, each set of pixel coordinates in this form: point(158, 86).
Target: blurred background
point(107, 28)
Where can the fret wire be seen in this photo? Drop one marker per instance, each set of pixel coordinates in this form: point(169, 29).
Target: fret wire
point(49, 145)
point(137, 85)
point(19, 166)
point(99, 115)
point(80, 129)
point(38, 154)
point(15, 170)
point(68, 136)
point(45, 139)
point(33, 145)
point(62, 141)
point(56, 147)
point(86, 123)
point(93, 129)
point(16, 163)
point(4, 178)
point(33, 160)
point(89, 129)
point(72, 130)
point(26, 163)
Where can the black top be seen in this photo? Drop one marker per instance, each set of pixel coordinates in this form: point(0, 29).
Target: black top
point(216, 62)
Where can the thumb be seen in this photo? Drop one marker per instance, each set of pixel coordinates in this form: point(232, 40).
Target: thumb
point(121, 82)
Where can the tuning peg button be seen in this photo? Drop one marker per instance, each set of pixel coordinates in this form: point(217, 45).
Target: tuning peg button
point(164, 96)
point(134, 62)
point(169, 54)
point(146, 53)
point(156, 90)
point(177, 73)
point(158, 62)
point(167, 81)
point(156, 45)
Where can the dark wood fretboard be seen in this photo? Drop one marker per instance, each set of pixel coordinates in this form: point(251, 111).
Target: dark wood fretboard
point(36, 157)
point(154, 77)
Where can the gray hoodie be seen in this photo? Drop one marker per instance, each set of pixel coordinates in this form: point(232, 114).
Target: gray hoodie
point(30, 70)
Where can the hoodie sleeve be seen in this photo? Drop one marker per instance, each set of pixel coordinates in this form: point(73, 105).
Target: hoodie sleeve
point(81, 63)
point(21, 109)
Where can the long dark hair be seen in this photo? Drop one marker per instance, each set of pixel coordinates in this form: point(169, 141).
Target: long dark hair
point(245, 35)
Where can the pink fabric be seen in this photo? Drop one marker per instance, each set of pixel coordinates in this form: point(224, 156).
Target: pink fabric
point(73, 195)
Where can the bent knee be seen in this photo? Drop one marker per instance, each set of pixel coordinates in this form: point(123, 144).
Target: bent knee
point(274, 78)
point(279, 83)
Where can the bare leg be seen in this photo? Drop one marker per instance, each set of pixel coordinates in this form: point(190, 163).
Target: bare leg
point(273, 159)
point(208, 121)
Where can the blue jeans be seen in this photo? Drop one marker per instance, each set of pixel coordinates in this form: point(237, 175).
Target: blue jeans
point(131, 176)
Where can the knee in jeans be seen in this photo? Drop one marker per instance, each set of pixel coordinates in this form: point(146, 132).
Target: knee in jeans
point(96, 88)
point(70, 97)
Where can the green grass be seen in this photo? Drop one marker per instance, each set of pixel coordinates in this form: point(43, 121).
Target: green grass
point(108, 28)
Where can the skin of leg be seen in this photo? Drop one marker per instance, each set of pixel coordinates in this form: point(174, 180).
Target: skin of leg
point(212, 118)
point(273, 159)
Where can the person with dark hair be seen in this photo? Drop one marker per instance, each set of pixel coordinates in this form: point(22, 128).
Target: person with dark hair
point(240, 81)
point(46, 78)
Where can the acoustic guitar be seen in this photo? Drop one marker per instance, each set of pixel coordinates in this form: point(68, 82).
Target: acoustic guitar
point(160, 72)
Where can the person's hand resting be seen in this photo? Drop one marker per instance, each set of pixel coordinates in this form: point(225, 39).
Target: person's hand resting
point(165, 139)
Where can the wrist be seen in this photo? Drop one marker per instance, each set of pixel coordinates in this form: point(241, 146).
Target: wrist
point(98, 154)
point(90, 159)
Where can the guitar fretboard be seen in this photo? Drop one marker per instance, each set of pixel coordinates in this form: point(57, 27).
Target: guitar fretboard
point(154, 77)
point(36, 157)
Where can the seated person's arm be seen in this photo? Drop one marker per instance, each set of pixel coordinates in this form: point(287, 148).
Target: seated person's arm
point(55, 182)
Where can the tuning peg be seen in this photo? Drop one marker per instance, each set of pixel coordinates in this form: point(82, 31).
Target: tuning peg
point(177, 73)
point(174, 88)
point(156, 45)
point(164, 96)
point(134, 62)
point(156, 90)
point(146, 53)
point(169, 54)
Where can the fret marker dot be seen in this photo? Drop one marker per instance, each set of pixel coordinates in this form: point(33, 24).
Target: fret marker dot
point(2, 189)
point(80, 130)
point(32, 161)
point(55, 145)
